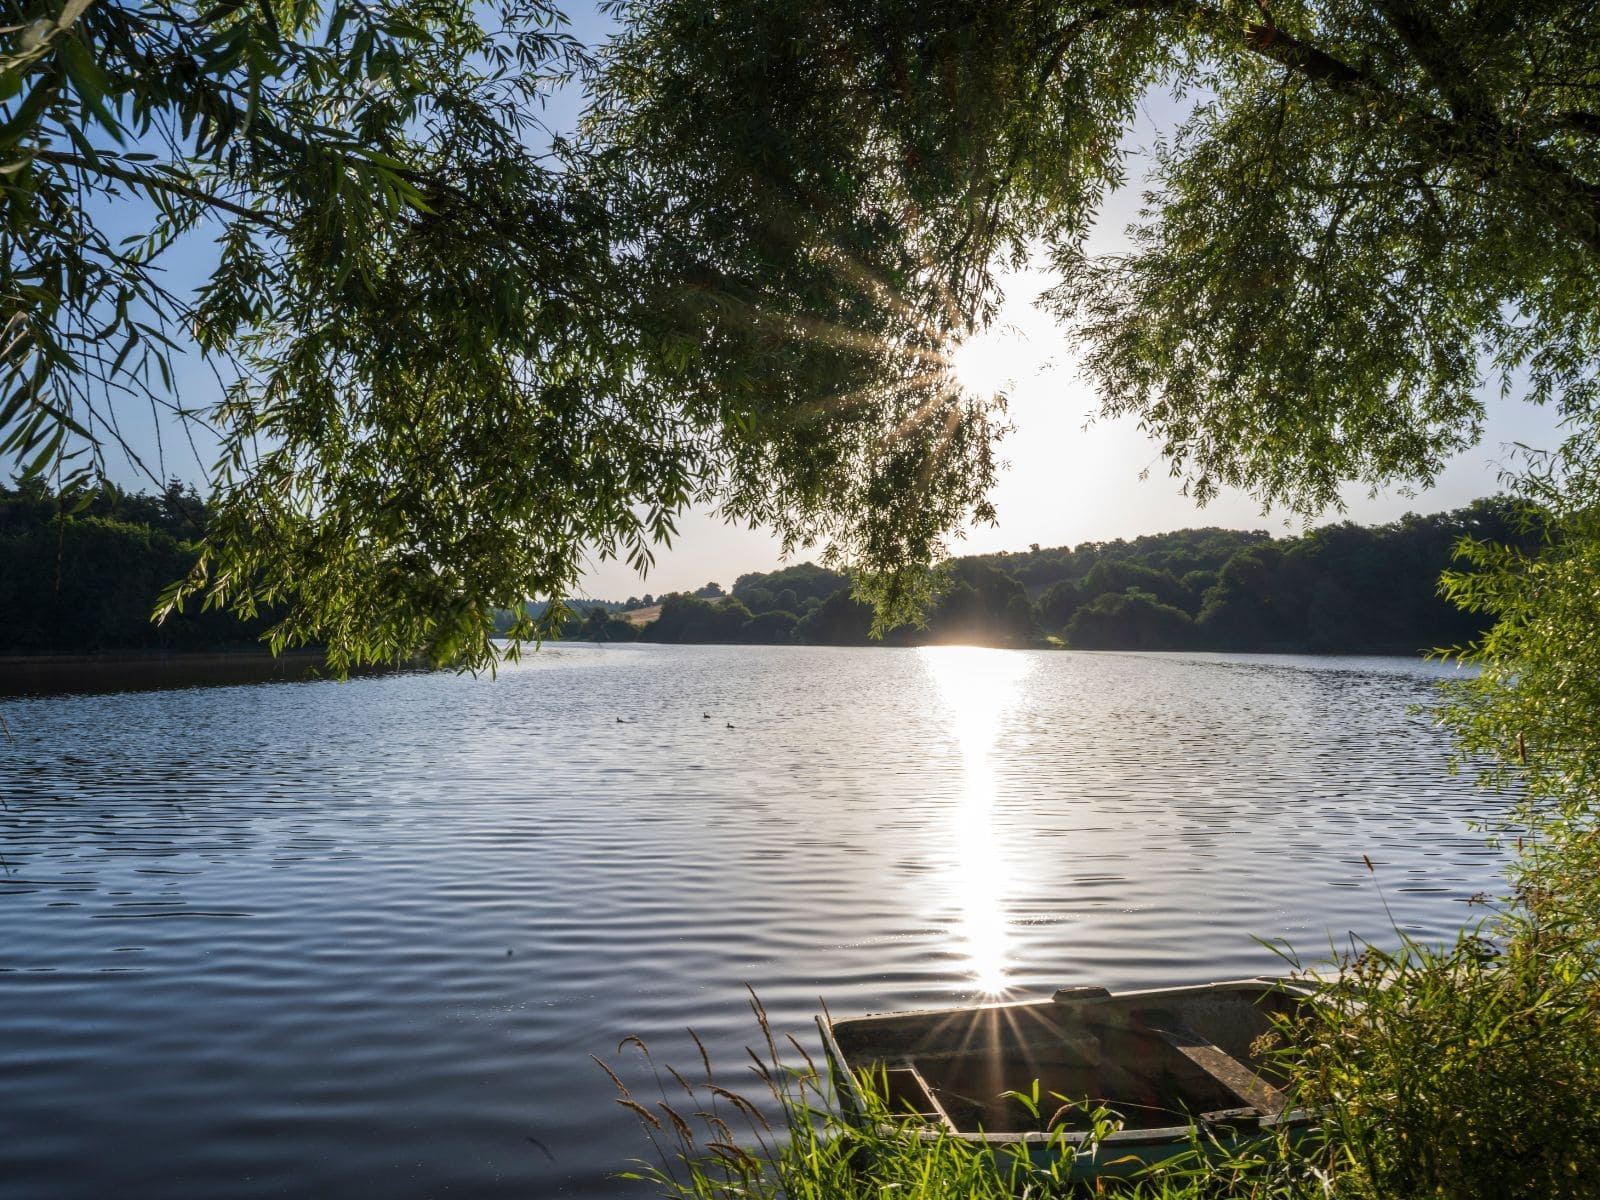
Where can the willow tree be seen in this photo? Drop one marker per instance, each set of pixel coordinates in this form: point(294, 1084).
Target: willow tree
point(1366, 208)
point(1370, 214)
point(447, 382)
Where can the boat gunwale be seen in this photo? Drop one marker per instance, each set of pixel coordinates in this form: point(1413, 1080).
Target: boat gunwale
point(1166, 1135)
point(1253, 983)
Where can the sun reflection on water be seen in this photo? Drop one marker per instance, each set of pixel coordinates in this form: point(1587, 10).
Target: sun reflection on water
point(977, 687)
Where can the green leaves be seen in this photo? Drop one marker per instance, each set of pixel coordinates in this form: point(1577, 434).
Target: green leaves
point(808, 197)
point(1468, 1071)
point(389, 252)
point(464, 363)
point(1528, 717)
point(91, 84)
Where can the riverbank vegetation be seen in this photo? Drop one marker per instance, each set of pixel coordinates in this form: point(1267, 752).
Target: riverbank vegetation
point(82, 572)
point(1470, 1072)
point(1338, 589)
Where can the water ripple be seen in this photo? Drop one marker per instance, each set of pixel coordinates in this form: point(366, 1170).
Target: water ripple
point(381, 926)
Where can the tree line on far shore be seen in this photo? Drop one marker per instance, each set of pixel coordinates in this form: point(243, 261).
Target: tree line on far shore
point(1339, 589)
point(81, 573)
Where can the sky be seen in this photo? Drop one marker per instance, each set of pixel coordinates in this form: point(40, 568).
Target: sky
point(1068, 478)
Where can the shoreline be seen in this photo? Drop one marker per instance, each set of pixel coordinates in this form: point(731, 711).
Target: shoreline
point(148, 670)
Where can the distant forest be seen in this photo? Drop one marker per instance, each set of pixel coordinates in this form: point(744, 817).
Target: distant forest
point(81, 573)
point(1340, 589)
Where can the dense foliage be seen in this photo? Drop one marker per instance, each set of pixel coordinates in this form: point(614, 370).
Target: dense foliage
point(1338, 589)
point(461, 353)
point(1366, 207)
point(1470, 1071)
point(80, 573)
point(1532, 710)
point(378, 224)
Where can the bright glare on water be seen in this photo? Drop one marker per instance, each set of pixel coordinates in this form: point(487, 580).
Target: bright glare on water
point(977, 688)
point(361, 939)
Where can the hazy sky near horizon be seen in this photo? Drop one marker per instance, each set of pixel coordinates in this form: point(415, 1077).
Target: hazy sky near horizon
point(1067, 479)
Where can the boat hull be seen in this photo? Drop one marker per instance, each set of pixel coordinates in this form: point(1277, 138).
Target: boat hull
point(1170, 1063)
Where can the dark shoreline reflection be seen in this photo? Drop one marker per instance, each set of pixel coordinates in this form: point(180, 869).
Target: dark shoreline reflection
point(63, 675)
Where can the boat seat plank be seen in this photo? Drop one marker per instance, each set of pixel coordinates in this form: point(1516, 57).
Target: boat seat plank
point(1215, 1062)
point(907, 1084)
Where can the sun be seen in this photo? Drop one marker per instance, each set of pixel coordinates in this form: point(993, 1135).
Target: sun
point(985, 364)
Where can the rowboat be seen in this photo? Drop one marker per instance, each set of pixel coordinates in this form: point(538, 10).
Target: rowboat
point(1168, 1062)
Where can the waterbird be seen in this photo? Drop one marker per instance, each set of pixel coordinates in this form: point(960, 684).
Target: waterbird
point(730, 724)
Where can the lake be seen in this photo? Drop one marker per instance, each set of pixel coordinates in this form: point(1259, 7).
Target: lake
point(319, 939)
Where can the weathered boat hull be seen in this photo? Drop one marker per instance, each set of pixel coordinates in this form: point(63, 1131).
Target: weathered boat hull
point(1167, 1061)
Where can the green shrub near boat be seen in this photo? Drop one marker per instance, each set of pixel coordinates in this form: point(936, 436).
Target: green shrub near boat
point(1470, 1072)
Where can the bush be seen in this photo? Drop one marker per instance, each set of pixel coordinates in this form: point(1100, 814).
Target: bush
point(1471, 1072)
point(1129, 621)
point(1465, 1073)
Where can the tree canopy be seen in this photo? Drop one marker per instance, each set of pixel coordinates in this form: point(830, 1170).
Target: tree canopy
point(461, 354)
point(1366, 206)
point(465, 353)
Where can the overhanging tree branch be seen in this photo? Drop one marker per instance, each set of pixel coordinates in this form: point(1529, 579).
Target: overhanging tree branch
point(1473, 136)
point(151, 179)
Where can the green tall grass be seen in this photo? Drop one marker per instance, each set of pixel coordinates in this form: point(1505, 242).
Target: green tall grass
point(1470, 1072)
point(791, 1139)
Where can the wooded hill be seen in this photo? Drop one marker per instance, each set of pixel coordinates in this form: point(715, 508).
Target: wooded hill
point(81, 573)
point(1339, 589)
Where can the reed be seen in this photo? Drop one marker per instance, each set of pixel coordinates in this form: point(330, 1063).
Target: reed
point(789, 1138)
point(1469, 1072)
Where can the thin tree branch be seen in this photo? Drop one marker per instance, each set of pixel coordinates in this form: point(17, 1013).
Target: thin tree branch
point(1586, 123)
point(166, 183)
point(1473, 136)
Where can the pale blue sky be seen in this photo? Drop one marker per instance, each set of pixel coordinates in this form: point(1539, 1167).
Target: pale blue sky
point(1066, 480)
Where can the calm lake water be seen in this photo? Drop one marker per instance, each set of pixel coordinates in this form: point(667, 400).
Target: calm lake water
point(311, 939)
